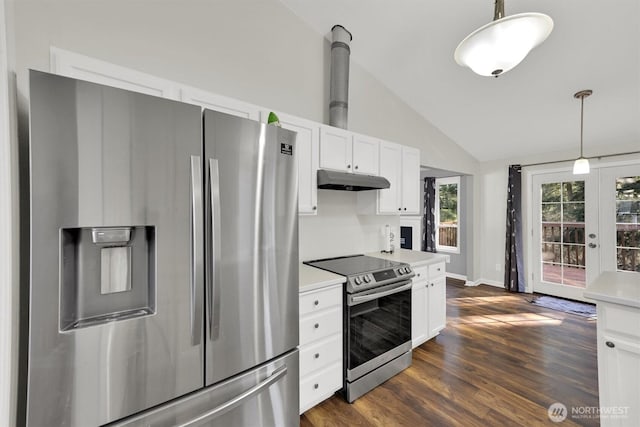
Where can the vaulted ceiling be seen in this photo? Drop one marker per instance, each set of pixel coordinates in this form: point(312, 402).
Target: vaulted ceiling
point(408, 45)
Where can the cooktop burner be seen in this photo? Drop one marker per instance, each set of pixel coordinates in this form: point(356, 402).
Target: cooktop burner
point(364, 272)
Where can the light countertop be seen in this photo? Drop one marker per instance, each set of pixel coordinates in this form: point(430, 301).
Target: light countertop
point(412, 257)
point(312, 278)
point(618, 287)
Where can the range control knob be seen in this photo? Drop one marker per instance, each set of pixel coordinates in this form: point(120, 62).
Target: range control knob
point(367, 279)
point(357, 281)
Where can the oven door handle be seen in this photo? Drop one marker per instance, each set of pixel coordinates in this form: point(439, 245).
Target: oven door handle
point(402, 286)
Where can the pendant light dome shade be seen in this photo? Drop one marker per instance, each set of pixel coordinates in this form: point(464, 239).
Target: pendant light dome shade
point(581, 166)
point(497, 47)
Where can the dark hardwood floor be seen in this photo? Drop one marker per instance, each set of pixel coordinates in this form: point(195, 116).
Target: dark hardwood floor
point(501, 361)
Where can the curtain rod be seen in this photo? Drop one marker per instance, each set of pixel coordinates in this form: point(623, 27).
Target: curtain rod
point(571, 160)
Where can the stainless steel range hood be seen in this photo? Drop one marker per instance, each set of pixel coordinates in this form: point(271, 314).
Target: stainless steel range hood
point(332, 180)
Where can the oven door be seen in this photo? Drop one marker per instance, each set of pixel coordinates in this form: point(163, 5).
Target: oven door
point(378, 325)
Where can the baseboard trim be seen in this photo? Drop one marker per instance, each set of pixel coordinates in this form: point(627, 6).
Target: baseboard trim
point(457, 276)
point(493, 283)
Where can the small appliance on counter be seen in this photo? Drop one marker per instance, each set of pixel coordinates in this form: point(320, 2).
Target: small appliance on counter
point(377, 319)
point(389, 237)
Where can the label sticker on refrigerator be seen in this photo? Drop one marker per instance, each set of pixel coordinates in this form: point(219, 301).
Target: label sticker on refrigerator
point(286, 149)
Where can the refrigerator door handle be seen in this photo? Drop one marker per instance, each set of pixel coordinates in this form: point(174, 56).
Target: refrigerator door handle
point(214, 278)
point(197, 251)
point(239, 399)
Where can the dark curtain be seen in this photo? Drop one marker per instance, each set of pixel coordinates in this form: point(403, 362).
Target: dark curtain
point(429, 219)
point(514, 263)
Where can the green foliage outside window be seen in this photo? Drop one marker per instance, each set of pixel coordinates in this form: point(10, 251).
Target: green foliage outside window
point(448, 203)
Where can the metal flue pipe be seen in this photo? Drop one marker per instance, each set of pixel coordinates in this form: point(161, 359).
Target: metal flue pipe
point(339, 83)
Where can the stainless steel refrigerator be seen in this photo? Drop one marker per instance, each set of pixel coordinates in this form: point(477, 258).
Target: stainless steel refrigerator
point(163, 263)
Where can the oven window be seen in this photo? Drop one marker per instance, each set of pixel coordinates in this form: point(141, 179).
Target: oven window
point(378, 326)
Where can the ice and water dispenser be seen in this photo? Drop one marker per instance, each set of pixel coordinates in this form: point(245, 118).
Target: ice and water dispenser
point(108, 273)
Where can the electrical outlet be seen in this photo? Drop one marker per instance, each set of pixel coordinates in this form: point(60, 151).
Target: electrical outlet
point(498, 267)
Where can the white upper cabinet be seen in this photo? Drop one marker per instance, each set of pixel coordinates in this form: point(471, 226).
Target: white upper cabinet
point(336, 149)
point(221, 103)
point(365, 155)
point(410, 180)
point(389, 200)
point(307, 152)
point(401, 166)
point(345, 151)
point(71, 64)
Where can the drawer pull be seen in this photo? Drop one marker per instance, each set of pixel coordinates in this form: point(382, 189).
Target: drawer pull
point(315, 386)
point(316, 326)
point(610, 344)
point(316, 302)
point(317, 355)
point(438, 268)
point(418, 274)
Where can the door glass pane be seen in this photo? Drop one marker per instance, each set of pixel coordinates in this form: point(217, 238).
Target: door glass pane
point(563, 248)
point(628, 223)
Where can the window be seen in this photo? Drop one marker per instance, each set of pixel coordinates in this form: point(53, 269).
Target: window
point(628, 223)
point(447, 214)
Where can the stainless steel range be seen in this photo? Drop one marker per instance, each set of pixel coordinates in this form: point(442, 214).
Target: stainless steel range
point(377, 319)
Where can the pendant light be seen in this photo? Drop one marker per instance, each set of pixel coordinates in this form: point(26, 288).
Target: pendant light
point(581, 165)
point(497, 47)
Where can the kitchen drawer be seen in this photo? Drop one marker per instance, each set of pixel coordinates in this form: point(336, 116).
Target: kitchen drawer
point(311, 302)
point(619, 319)
point(317, 355)
point(436, 271)
point(319, 386)
point(320, 325)
point(422, 272)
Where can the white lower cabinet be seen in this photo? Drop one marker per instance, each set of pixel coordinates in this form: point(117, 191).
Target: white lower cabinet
point(619, 364)
point(428, 302)
point(320, 345)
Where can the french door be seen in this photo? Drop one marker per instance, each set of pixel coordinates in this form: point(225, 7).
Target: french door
point(582, 225)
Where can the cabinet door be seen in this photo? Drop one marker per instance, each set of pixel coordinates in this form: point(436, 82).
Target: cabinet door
point(390, 165)
point(437, 305)
point(307, 152)
point(220, 103)
point(419, 321)
point(620, 379)
point(335, 149)
point(410, 180)
point(365, 155)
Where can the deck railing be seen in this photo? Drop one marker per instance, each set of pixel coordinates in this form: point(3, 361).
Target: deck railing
point(565, 243)
point(448, 235)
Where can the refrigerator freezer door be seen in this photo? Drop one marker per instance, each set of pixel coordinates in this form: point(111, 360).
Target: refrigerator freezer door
point(252, 244)
point(266, 396)
point(116, 269)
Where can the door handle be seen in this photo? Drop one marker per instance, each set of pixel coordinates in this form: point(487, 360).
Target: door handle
point(353, 300)
point(239, 399)
point(214, 277)
point(197, 256)
point(593, 245)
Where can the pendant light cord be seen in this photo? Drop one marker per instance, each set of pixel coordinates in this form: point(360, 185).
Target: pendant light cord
point(498, 10)
point(581, 122)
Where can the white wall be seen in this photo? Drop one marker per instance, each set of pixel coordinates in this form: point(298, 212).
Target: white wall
point(8, 223)
point(337, 230)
